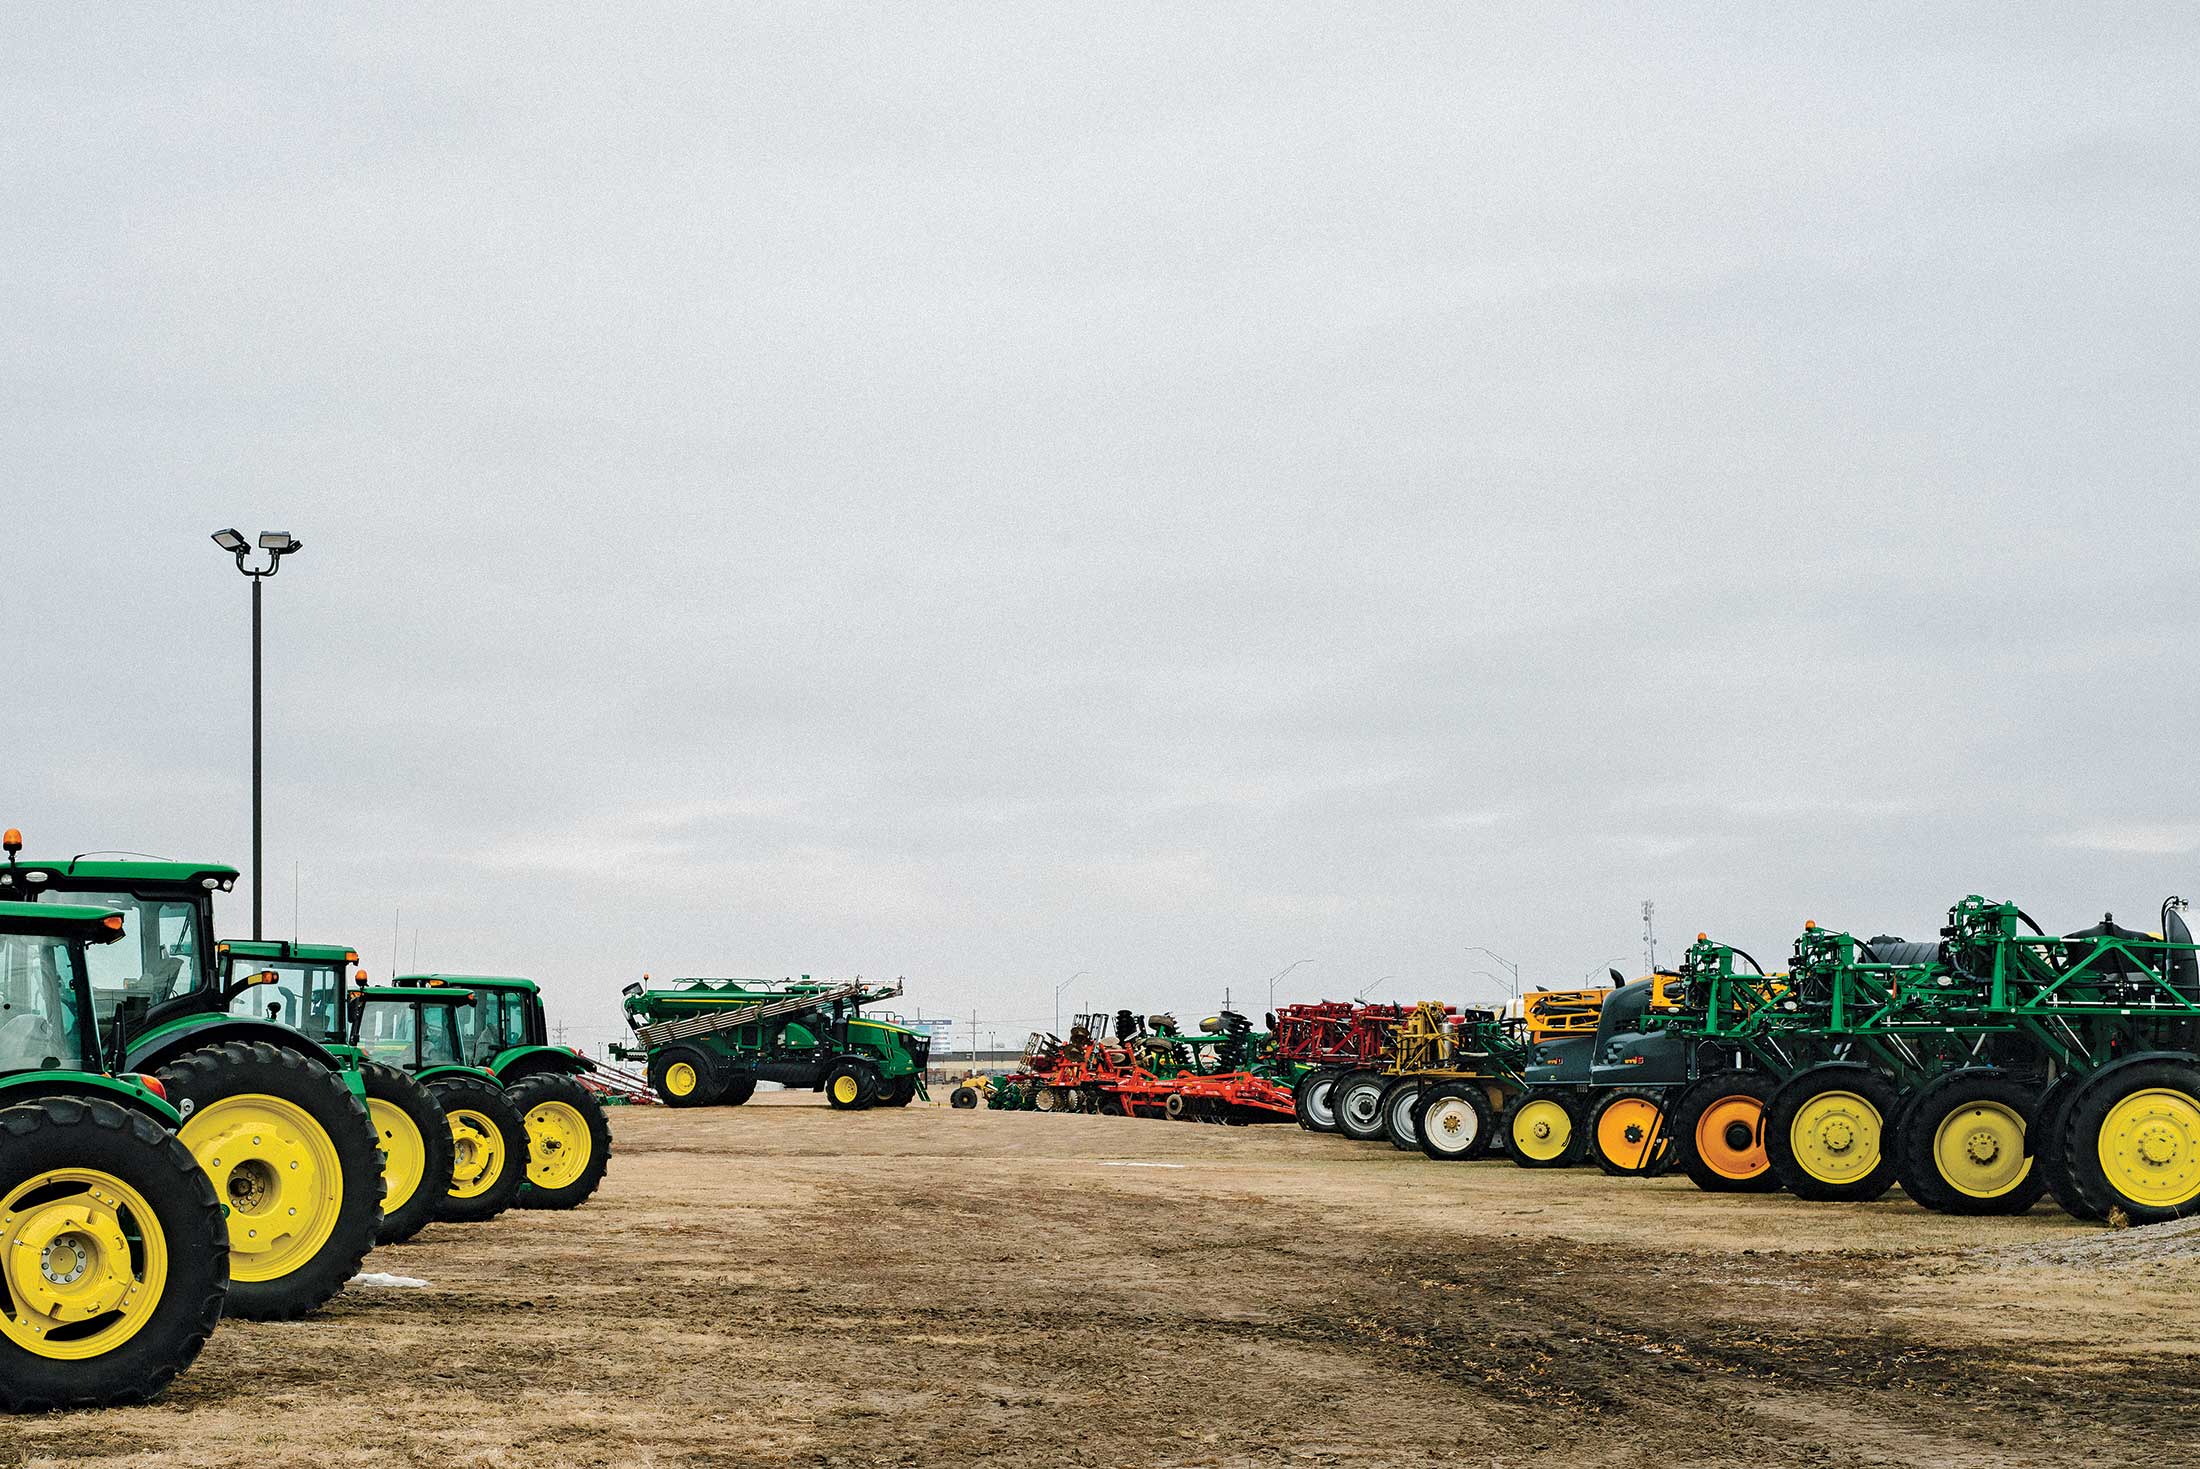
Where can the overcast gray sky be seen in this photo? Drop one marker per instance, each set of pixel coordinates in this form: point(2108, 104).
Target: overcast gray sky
point(983, 493)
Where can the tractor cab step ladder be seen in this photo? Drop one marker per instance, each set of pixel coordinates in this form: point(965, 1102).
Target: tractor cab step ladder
point(773, 1009)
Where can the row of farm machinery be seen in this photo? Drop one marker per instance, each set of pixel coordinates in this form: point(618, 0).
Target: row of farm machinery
point(1978, 1071)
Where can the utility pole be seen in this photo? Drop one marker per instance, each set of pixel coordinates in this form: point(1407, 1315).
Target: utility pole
point(1649, 937)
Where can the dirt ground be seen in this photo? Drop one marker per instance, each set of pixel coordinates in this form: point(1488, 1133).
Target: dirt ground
point(779, 1285)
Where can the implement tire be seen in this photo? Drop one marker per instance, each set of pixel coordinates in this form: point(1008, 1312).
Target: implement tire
point(2135, 1138)
point(685, 1076)
point(1455, 1122)
point(1313, 1100)
point(1542, 1129)
point(292, 1156)
point(1629, 1136)
point(415, 1138)
point(122, 1205)
point(1402, 1116)
point(568, 1141)
point(1358, 1098)
point(1718, 1125)
point(963, 1098)
point(1826, 1131)
point(1960, 1147)
point(489, 1138)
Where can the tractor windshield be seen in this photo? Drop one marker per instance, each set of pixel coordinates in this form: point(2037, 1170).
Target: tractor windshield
point(158, 961)
point(495, 1023)
point(307, 996)
point(40, 1029)
point(410, 1034)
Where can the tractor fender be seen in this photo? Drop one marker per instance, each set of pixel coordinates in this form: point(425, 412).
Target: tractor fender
point(521, 1062)
point(427, 1074)
point(29, 1086)
point(151, 1052)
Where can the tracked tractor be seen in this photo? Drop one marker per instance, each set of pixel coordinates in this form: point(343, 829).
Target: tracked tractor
point(418, 1028)
point(307, 995)
point(568, 1136)
point(708, 1041)
point(114, 1259)
point(278, 1122)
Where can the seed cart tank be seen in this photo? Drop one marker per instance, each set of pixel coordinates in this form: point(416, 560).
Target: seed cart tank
point(713, 1040)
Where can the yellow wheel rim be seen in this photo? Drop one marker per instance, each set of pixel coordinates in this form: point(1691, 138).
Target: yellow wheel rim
point(404, 1153)
point(1628, 1130)
point(680, 1079)
point(1719, 1137)
point(83, 1264)
point(477, 1153)
point(1979, 1150)
point(277, 1174)
point(2150, 1147)
point(558, 1145)
point(1836, 1137)
point(1542, 1130)
point(845, 1090)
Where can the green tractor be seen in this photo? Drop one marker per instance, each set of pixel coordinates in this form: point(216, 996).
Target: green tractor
point(418, 1028)
point(307, 995)
point(114, 1260)
point(568, 1136)
point(712, 1040)
point(277, 1120)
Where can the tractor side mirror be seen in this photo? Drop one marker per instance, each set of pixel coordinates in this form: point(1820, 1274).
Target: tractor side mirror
point(250, 981)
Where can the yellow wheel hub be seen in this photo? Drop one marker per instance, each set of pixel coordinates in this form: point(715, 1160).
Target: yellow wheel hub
point(1979, 1150)
point(1727, 1137)
point(845, 1090)
point(477, 1153)
point(1542, 1130)
point(1836, 1137)
point(83, 1261)
point(681, 1080)
point(404, 1153)
point(277, 1174)
point(2150, 1147)
point(558, 1145)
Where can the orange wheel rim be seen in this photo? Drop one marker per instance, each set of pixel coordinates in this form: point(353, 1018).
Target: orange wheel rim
point(1627, 1131)
point(1729, 1137)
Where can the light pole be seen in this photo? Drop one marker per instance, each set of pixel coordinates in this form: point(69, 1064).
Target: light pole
point(1065, 984)
point(1511, 967)
point(1286, 969)
point(1363, 994)
point(277, 544)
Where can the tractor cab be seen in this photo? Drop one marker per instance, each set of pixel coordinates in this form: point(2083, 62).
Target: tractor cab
point(50, 1032)
point(307, 993)
point(412, 1027)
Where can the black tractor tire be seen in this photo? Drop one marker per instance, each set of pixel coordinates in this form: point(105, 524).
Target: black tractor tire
point(963, 1098)
point(561, 1117)
point(229, 1094)
point(738, 1088)
point(1998, 1177)
point(1456, 1125)
point(64, 1135)
point(899, 1092)
point(1644, 1150)
point(1402, 1116)
point(686, 1076)
point(852, 1084)
point(2049, 1140)
point(489, 1164)
point(415, 1138)
point(1864, 1165)
point(2145, 1112)
point(1359, 1101)
point(1313, 1099)
point(1527, 1114)
point(1736, 1162)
